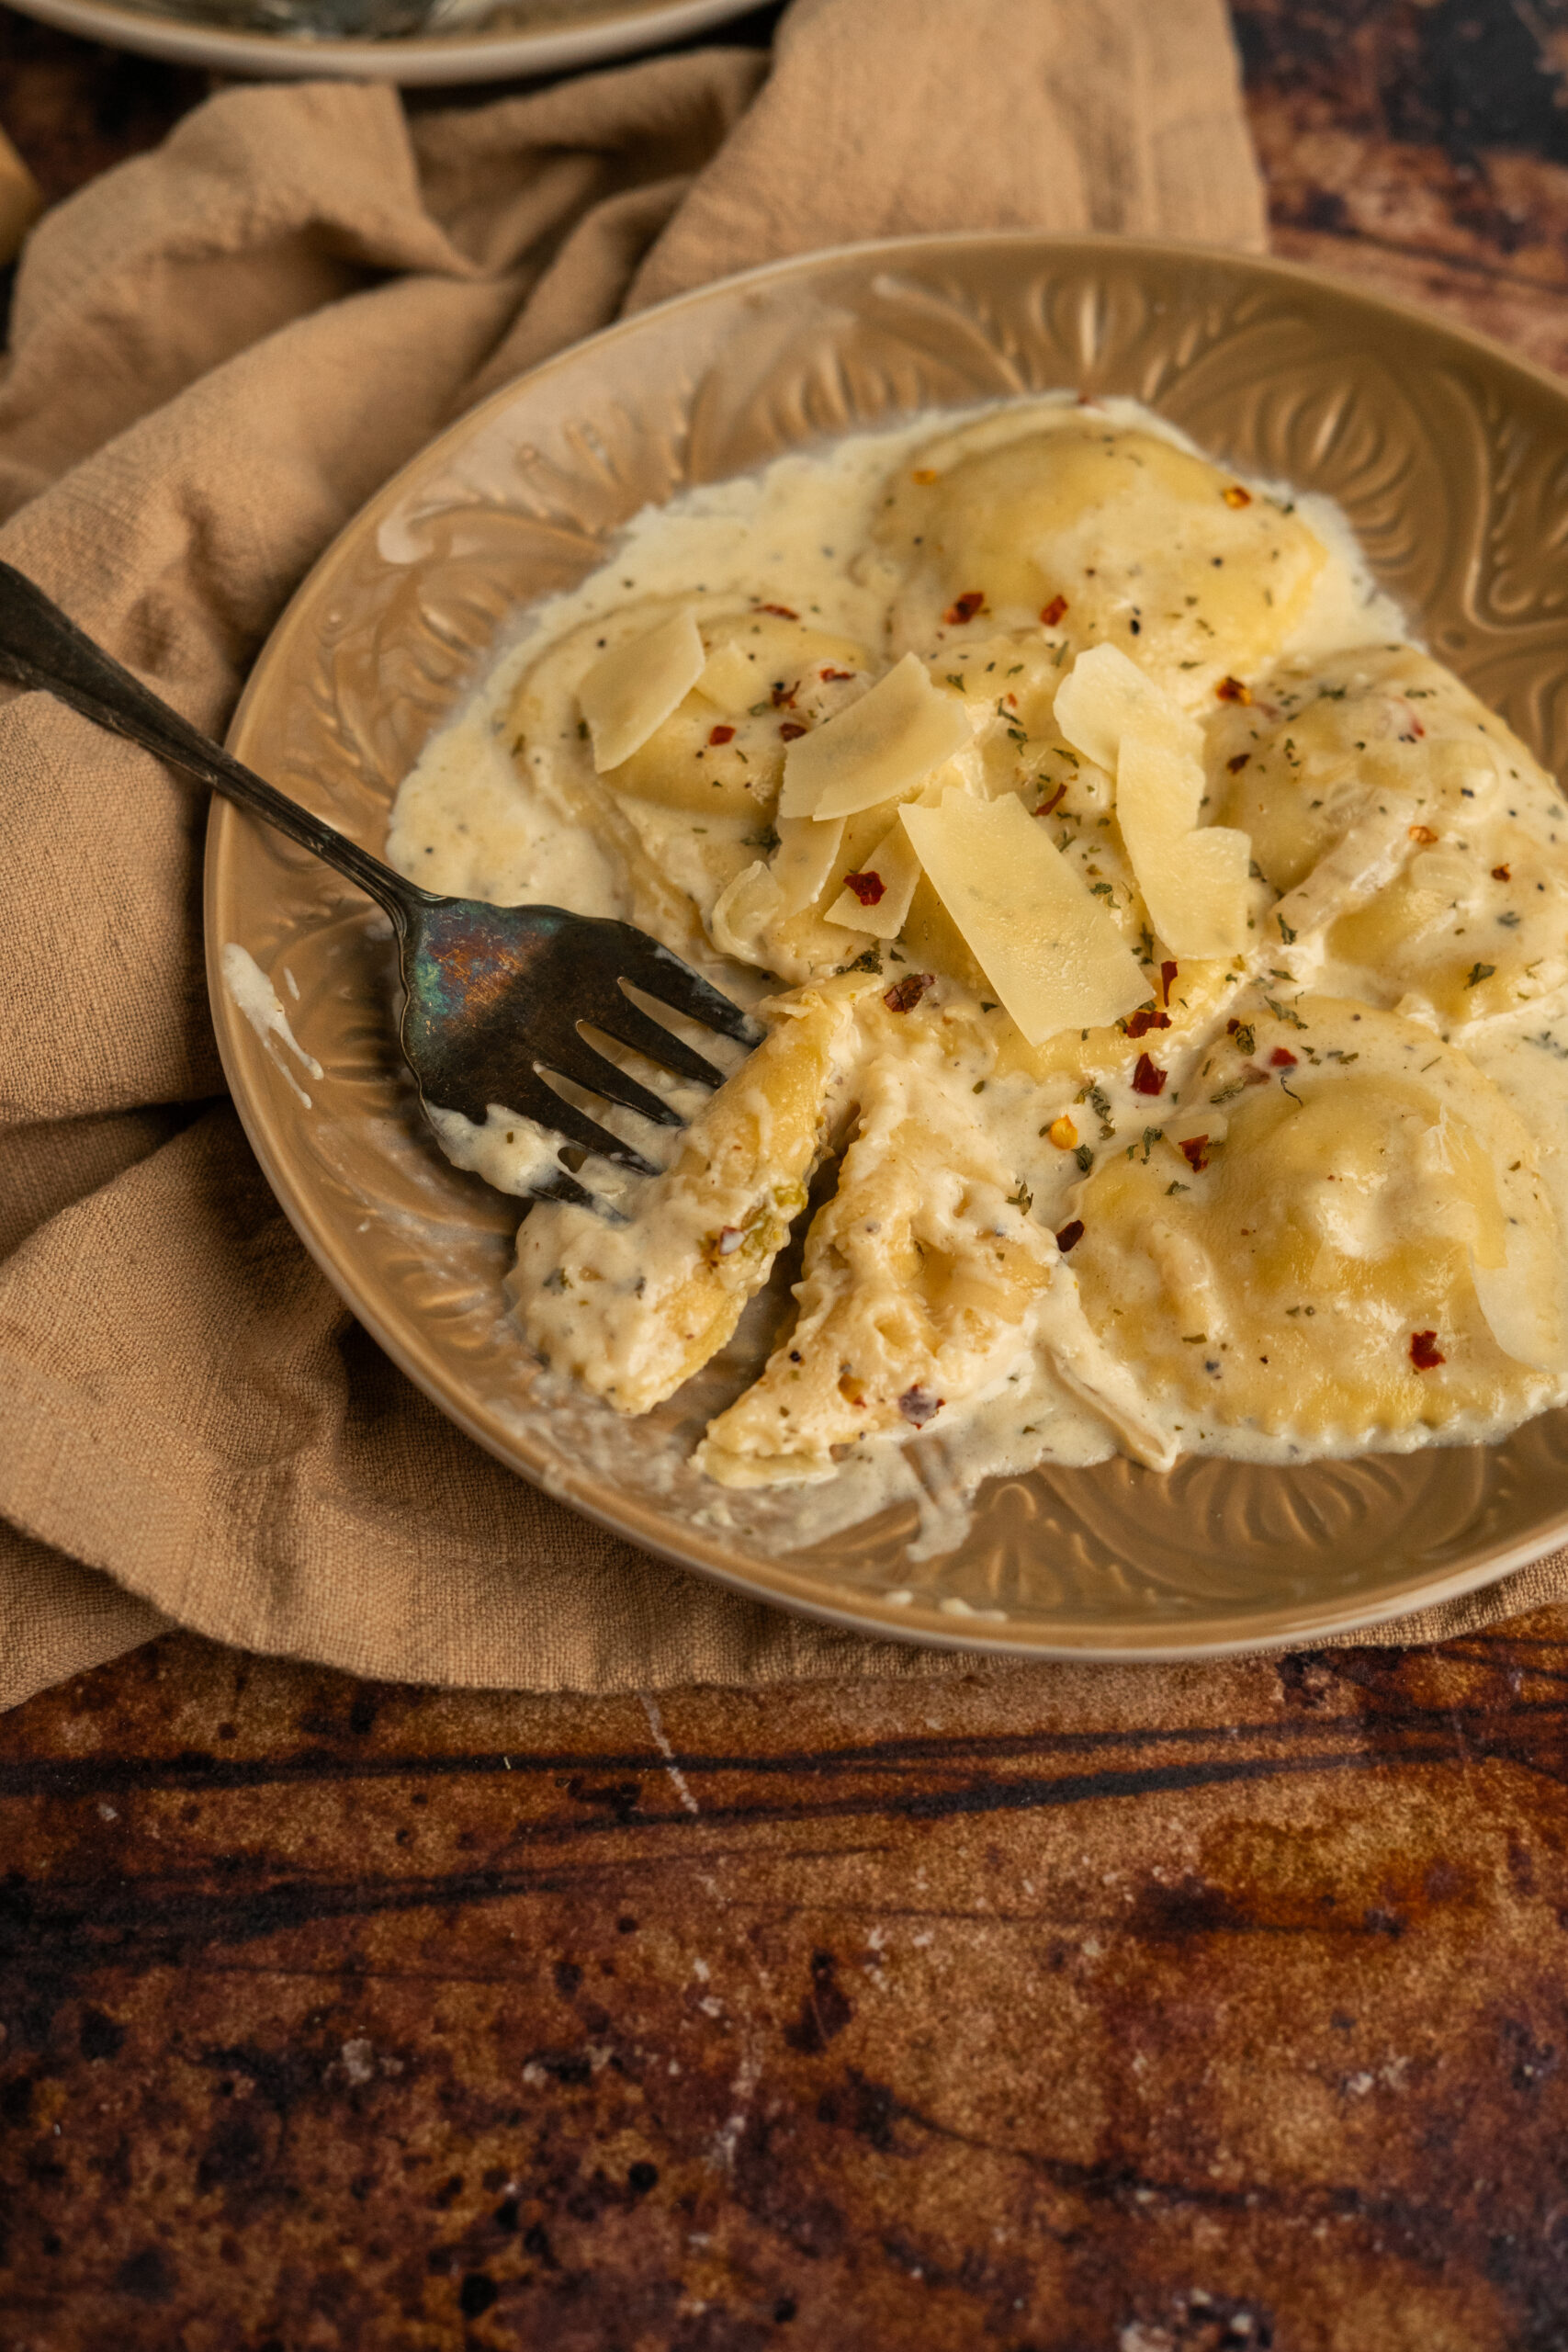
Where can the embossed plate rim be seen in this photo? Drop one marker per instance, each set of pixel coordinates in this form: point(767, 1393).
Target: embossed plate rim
point(811, 1593)
point(412, 59)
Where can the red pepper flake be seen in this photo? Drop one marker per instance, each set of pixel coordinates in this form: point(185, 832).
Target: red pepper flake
point(963, 608)
point(905, 994)
point(1235, 767)
point(1501, 873)
point(835, 677)
point(1166, 981)
point(1051, 613)
point(1421, 833)
point(1415, 727)
point(1232, 690)
point(869, 889)
point(1194, 1150)
point(1054, 802)
point(784, 696)
point(783, 611)
point(1235, 495)
point(918, 1406)
point(790, 730)
point(1425, 1353)
point(1145, 1019)
point(1070, 1236)
point(721, 735)
point(1281, 1058)
point(1148, 1078)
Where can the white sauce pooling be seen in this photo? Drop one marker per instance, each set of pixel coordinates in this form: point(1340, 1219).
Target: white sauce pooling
point(253, 994)
point(1382, 805)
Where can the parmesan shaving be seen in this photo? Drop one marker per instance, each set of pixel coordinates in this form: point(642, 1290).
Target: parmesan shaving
point(1193, 882)
point(880, 746)
point(632, 690)
point(1104, 695)
point(803, 859)
point(894, 865)
point(1052, 953)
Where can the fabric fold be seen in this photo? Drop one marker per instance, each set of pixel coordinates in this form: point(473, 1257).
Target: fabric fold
point(219, 352)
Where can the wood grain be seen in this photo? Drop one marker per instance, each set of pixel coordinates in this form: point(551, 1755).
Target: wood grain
point(1049, 2009)
point(1052, 2010)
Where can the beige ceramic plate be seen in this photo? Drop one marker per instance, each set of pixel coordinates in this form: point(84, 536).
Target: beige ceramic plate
point(482, 40)
point(1451, 461)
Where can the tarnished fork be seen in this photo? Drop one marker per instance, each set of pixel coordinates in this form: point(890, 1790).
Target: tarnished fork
point(495, 996)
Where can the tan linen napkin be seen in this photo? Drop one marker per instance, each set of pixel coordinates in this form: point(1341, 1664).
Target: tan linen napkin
point(218, 351)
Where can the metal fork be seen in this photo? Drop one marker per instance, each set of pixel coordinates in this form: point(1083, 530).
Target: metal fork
point(494, 996)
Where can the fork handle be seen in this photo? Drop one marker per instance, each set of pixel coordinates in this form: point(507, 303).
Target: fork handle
point(42, 647)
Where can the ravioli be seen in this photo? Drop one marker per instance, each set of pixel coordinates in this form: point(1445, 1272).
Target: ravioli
point(1270, 1161)
point(632, 1322)
point(1418, 843)
point(1314, 1250)
point(1117, 535)
point(920, 1273)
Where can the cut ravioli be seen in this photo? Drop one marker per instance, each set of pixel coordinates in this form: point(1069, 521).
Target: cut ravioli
point(635, 1309)
point(1053, 954)
point(882, 746)
point(920, 1278)
point(1366, 1256)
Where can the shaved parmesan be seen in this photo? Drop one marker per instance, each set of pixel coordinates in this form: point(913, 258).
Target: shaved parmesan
point(1201, 895)
point(1104, 695)
point(883, 911)
point(731, 678)
point(1050, 950)
point(632, 690)
point(743, 911)
point(1193, 881)
point(1159, 787)
point(882, 745)
point(803, 859)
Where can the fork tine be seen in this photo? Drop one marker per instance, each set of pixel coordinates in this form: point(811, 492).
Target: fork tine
point(577, 1060)
point(629, 1025)
point(565, 1188)
point(538, 1101)
point(654, 968)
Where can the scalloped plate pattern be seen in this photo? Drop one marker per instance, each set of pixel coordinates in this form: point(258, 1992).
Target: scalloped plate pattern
point(1451, 459)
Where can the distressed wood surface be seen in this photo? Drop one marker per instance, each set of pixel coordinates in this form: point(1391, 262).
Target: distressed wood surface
point(1051, 2010)
point(1212, 2008)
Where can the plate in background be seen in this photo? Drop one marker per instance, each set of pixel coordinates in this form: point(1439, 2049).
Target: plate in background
point(1451, 461)
point(541, 36)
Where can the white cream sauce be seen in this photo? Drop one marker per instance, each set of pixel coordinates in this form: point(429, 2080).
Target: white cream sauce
point(480, 815)
point(253, 994)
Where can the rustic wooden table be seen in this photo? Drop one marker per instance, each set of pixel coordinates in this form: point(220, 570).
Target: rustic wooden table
point(1052, 2010)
